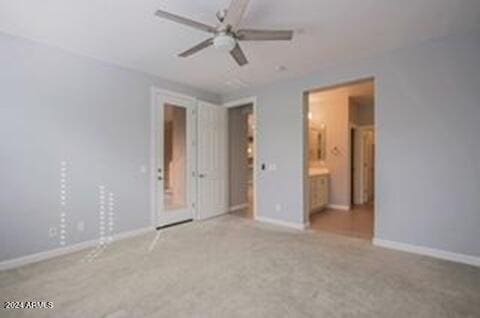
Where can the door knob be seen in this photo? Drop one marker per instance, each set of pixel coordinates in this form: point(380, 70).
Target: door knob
point(201, 175)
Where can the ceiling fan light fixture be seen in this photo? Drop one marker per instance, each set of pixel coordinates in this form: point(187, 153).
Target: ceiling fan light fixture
point(224, 42)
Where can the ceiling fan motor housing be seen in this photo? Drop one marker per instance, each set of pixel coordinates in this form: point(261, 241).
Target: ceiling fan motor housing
point(224, 42)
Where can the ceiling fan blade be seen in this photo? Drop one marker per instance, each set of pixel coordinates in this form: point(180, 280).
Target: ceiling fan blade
point(185, 21)
point(196, 48)
point(238, 55)
point(235, 13)
point(264, 35)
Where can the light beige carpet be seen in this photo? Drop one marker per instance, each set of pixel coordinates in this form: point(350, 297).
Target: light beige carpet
point(233, 267)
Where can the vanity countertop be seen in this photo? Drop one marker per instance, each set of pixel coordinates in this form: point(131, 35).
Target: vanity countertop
point(318, 171)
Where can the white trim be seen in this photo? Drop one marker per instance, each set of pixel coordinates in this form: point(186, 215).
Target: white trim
point(338, 207)
point(172, 94)
point(297, 226)
point(240, 102)
point(41, 256)
point(428, 251)
point(153, 148)
point(361, 182)
point(238, 207)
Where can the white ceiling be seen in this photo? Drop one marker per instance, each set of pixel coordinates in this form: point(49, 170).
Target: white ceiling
point(126, 32)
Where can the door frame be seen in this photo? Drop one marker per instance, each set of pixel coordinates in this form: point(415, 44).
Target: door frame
point(359, 132)
point(154, 92)
point(240, 102)
point(305, 108)
point(363, 130)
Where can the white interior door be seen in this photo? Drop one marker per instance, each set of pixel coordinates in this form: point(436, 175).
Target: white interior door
point(368, 165)
point(212, 154)
point(174, 162)
point(358, 167)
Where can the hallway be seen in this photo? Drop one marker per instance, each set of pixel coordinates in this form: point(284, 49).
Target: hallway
point(248, 211)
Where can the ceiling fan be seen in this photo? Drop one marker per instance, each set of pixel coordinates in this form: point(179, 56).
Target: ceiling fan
point(227, 34)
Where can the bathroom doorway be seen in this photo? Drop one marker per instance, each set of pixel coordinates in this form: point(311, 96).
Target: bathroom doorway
point(341, 159)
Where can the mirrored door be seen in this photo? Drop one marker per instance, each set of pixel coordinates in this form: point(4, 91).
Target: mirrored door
point(174, 159)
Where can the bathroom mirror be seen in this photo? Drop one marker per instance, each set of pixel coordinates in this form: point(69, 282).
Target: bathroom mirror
point(317, 143)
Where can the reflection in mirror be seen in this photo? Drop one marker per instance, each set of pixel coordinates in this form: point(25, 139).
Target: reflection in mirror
point(317, 143)
point(175, 148)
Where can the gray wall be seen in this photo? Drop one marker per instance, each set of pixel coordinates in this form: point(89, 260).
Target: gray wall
point(58, 106)
point(428, 159)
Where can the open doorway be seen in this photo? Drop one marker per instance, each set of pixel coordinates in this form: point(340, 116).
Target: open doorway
point(241, 152)
point(341, 144)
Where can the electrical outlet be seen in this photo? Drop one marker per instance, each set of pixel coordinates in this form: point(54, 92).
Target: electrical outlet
point(143, 169)
point(81, 226)
point(272, 167)
point(52, 232)
point(278, 207)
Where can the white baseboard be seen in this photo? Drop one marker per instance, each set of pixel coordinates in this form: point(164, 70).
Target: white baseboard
point(297, 226)
point(41, 256)
point(422, 250)
point(238, 207)
point(339, 207)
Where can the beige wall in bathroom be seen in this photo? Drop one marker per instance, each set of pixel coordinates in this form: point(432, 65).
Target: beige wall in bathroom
point(175, 153)
point(361, 112)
